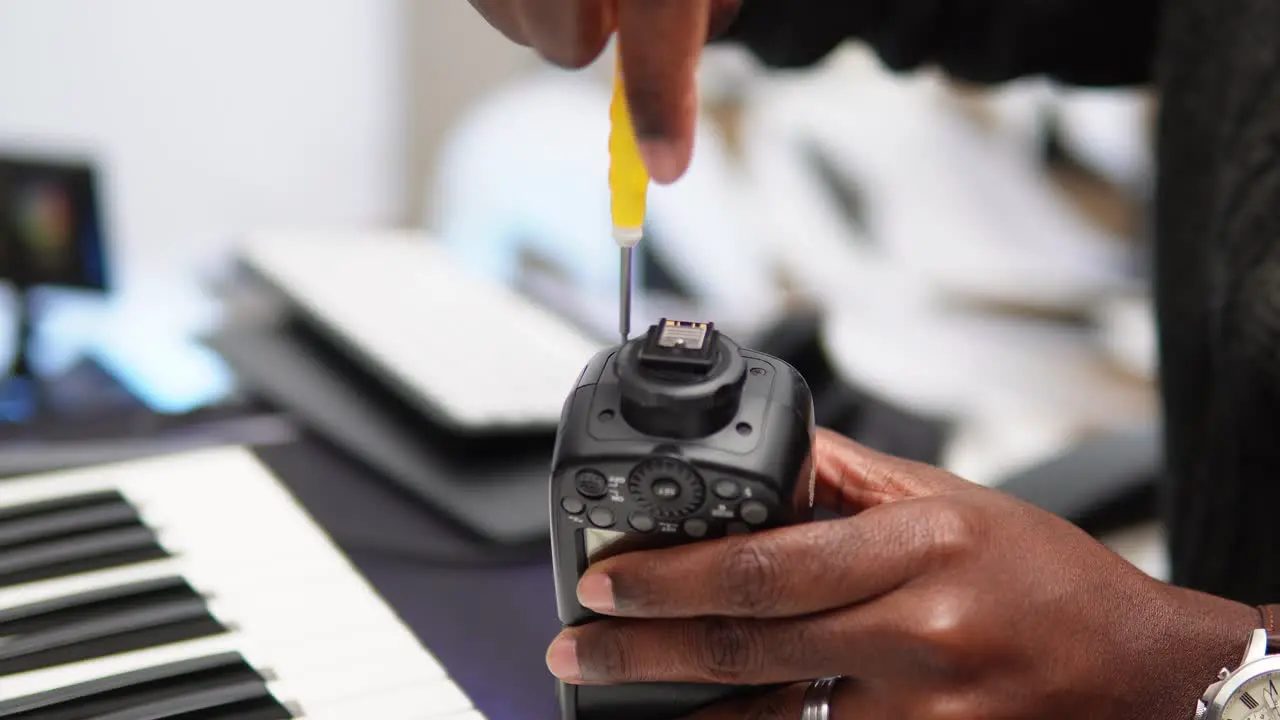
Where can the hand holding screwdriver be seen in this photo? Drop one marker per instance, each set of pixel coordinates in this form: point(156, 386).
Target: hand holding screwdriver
point(661, 42)
point(628, 187)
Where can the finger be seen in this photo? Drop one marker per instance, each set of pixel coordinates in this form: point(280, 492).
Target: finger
point(913, 633)
point(723, 13)
point(569, 33)
point(853, 477)
point(661, 42)
point(721, 651)
point(788, 572)
point(850, 701)
point(501, 14)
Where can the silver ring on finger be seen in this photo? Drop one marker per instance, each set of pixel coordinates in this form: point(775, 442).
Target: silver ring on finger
point(817, 699)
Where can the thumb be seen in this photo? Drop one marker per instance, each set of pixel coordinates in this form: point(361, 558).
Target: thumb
point(852, 477)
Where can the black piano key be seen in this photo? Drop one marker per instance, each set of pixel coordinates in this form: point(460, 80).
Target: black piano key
point(111, 633)
point(67, 522)
point(196, 704)
point(264, 709)
point(59, 611)
point(97, 550)
point(194, 682)
point(62, 504)
point(212, 666)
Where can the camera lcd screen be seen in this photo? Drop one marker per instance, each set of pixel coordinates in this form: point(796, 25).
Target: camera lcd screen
point(601, 544)
point(598, 543)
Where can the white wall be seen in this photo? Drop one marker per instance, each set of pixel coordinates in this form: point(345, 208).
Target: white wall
point(210, 117)
point(456, 59)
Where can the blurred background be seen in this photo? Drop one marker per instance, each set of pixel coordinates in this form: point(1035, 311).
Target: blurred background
point(378, 228)
point(976, 254)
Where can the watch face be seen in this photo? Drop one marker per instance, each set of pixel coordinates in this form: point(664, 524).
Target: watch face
point(1257, 699)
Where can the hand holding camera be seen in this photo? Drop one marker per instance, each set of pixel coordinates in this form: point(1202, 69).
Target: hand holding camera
point(906, 597)
point(910, 597)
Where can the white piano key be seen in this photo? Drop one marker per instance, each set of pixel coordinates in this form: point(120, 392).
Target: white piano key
point(38, 681)
point(45, 590)
point(279, 628)
point(14, 493)
point(386, 674)
point(306, 616)
point(255, 581)
point(442, 698)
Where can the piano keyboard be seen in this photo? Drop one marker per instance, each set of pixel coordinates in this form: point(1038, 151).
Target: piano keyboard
point(194, 587)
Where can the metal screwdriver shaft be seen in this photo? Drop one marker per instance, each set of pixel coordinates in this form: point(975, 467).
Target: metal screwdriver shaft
point(629, 187)
point(624, 296)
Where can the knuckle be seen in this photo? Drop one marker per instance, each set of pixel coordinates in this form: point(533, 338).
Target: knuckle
point(949, 706)
point(727, 652)
point(952, 530)
point(943, 630)
point(752, 579)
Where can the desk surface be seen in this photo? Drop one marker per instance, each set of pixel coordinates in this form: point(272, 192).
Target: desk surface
point(489, 625)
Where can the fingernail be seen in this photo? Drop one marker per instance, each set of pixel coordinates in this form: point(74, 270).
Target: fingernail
point(596, 592)
point(663, 160)
point(562, 659)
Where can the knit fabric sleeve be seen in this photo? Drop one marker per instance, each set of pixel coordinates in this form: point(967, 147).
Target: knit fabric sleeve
point(1079, 42)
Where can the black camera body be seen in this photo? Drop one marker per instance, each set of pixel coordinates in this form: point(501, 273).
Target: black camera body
point(675, 437)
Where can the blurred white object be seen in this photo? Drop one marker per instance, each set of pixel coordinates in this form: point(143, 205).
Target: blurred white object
point(525, 179)
point(455, 344)
point(1127, 332)
point(963, 208)
point(1018, 390)
point(1108, 131)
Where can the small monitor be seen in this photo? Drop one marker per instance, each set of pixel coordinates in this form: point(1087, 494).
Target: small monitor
point(51, 227)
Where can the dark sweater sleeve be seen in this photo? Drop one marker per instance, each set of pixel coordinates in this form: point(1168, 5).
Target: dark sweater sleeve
point(1079, 42)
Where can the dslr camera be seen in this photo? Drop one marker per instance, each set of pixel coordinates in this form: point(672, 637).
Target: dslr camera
point(675, 437)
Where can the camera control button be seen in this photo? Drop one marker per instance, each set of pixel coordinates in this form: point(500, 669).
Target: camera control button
point(726, 489)
point(601, 517)
point(666, 489)
point(754, 512)
point(592, 484)
point(573, 505)
point(695, 527)
point(642, 523)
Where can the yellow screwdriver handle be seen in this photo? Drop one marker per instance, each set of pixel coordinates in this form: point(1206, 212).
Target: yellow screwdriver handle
point(628, 176)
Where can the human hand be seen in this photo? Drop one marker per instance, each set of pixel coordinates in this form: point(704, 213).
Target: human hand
point(661, 42)
point(939, 599)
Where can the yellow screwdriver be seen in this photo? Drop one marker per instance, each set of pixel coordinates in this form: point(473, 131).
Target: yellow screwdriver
point(629, 187)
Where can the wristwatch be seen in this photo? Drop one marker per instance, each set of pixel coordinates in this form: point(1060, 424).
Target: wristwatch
point(1251, 691)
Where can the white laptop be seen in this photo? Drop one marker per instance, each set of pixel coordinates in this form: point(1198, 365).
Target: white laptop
point(461, 348)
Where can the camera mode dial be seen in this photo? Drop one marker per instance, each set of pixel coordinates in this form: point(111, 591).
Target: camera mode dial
point(667, 487)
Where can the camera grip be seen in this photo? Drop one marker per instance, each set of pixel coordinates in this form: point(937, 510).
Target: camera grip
point(647, 701)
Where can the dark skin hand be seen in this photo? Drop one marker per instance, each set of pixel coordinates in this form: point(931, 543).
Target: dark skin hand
point(941, 599)
point(661, 42)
